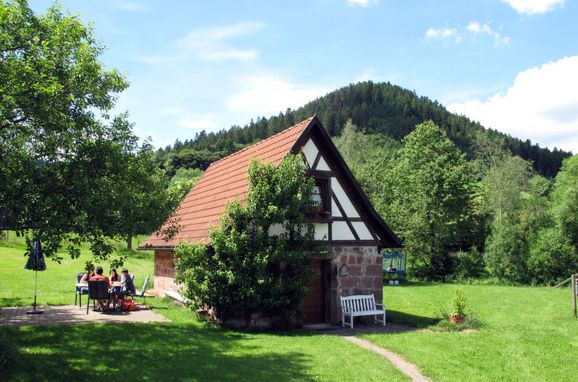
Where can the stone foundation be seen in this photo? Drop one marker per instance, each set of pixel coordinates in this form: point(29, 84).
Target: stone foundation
point(164, 271)
point(363, 274)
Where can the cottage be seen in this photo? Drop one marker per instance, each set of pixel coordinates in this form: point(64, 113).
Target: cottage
point(353, 230)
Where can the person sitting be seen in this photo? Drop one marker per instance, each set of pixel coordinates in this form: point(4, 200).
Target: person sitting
point(115, 288)
point(99, 277)
point(84, 280)
point(113, 275)
point(127, 284)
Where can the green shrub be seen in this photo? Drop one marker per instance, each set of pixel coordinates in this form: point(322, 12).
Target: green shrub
point(469, 264)
point(246, 271)
point(552, 257)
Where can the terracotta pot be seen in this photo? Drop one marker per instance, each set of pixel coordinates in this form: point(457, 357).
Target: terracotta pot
point(457, 319)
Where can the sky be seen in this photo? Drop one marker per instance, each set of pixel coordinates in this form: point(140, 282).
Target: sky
point(192, 65)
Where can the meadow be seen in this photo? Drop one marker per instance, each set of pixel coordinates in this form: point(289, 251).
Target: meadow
point(527, 334)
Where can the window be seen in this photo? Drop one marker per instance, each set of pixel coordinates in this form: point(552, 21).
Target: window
point(321, 197)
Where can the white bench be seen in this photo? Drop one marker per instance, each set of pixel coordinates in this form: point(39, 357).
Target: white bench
point(360, 305)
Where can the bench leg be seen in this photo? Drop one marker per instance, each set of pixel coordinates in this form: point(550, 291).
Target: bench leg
point(342, 319)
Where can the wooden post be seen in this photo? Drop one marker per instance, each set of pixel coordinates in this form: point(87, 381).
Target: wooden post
point(574, 292)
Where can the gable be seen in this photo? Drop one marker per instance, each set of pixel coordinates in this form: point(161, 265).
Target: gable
point(226, 180)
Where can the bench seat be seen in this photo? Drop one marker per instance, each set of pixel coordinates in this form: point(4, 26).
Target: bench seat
point(361, 305)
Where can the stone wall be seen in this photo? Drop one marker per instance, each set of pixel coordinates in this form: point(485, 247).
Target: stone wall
point(365, 276)
point(164, 271)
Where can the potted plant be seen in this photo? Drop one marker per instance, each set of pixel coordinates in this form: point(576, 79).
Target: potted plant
point(458, 314)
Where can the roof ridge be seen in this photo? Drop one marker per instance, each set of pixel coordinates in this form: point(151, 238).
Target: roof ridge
point(261, 141)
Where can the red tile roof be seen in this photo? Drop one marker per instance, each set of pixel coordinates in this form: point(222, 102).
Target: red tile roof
point(224, 181)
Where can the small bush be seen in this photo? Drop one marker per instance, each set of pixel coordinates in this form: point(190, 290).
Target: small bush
point(469, 265)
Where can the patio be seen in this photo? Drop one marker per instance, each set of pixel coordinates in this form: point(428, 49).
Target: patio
point(71, 314)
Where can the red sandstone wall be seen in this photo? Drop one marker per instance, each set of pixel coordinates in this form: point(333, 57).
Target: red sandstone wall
point(365, 277)
point(164, 271)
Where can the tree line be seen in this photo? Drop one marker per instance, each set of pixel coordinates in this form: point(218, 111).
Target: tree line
point(381, 108)
point(492, 216)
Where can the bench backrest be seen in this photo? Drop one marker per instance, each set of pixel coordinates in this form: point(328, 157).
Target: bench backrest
point(358, 303)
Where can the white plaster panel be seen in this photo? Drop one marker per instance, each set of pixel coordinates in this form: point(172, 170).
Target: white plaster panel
point(310, 151)
point(321, 231)
point(341, 231)
point(348, 207)
point(362, 230)
point(334, 209)
point(277, 229)
point(322, 165)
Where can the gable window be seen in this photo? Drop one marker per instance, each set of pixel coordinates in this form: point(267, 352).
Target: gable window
point(321, 198)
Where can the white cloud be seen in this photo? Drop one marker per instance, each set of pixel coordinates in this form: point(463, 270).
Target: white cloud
point(209, 43)
point(477, 28)
point(541, 105)
point(361, 3)
point(269, 94)
point(203, 123)
point(443, 34)
point(530, 7)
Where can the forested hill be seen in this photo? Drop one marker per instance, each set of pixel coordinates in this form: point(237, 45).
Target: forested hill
point(376, 107)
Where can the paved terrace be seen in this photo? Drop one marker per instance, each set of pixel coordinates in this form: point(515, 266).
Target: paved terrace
point(71, 314)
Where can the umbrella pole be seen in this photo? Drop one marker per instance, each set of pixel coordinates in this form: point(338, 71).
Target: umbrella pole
point(34, 311)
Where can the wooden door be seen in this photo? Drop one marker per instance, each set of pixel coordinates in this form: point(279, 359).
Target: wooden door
point(313, 305)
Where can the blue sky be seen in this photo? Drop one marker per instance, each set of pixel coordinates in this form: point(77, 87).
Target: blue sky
point(192, 65)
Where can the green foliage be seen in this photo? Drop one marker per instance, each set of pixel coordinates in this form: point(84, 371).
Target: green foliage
point(469, 264)
point(552, 257)
point(68, 170)
point(426, 198)
point(246, 270)
point(506, 254)
point(459, 303)
point(183, 181)
point(565, 199)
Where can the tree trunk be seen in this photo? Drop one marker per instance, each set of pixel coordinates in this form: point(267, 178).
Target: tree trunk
point(129, 243)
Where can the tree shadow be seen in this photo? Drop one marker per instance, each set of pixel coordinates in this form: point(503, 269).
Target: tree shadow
point(411, 319)
point(149, 352)
point(6, 302)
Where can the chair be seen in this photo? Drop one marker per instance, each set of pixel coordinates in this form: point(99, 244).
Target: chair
point(79, 290)
point(97, 291)
point(141, 293)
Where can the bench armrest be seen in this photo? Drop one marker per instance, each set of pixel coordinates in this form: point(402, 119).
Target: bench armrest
point(382, 305)
point(346, 309)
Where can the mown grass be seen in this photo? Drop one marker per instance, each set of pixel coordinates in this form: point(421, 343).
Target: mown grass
point(186, 350)
point(529, 333)
point(56, 284)
point(182, 350)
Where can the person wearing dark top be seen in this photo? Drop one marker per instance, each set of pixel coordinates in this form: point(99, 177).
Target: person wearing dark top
point(127, 283)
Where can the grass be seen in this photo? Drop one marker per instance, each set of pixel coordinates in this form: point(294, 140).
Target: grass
point(529, 333)
point(184, 349)
point(56, 284)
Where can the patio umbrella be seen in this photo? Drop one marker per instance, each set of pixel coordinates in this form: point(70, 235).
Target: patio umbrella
point(36, 263)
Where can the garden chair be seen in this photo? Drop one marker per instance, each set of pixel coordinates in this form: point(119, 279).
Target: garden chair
point(79, 290)
point(141, 293)
point(97, 291)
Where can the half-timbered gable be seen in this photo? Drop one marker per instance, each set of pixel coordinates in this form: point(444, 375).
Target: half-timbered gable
point(345, 219)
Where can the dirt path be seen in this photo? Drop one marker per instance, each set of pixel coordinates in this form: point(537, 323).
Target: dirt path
point(405, 367)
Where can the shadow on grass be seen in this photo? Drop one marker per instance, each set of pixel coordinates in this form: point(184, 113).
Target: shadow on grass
point(411, 320)
point(148, 352)
point(14, 301)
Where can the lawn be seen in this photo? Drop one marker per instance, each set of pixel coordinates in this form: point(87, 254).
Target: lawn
point(184, 349)
point(529, 333)
point(56, 284)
